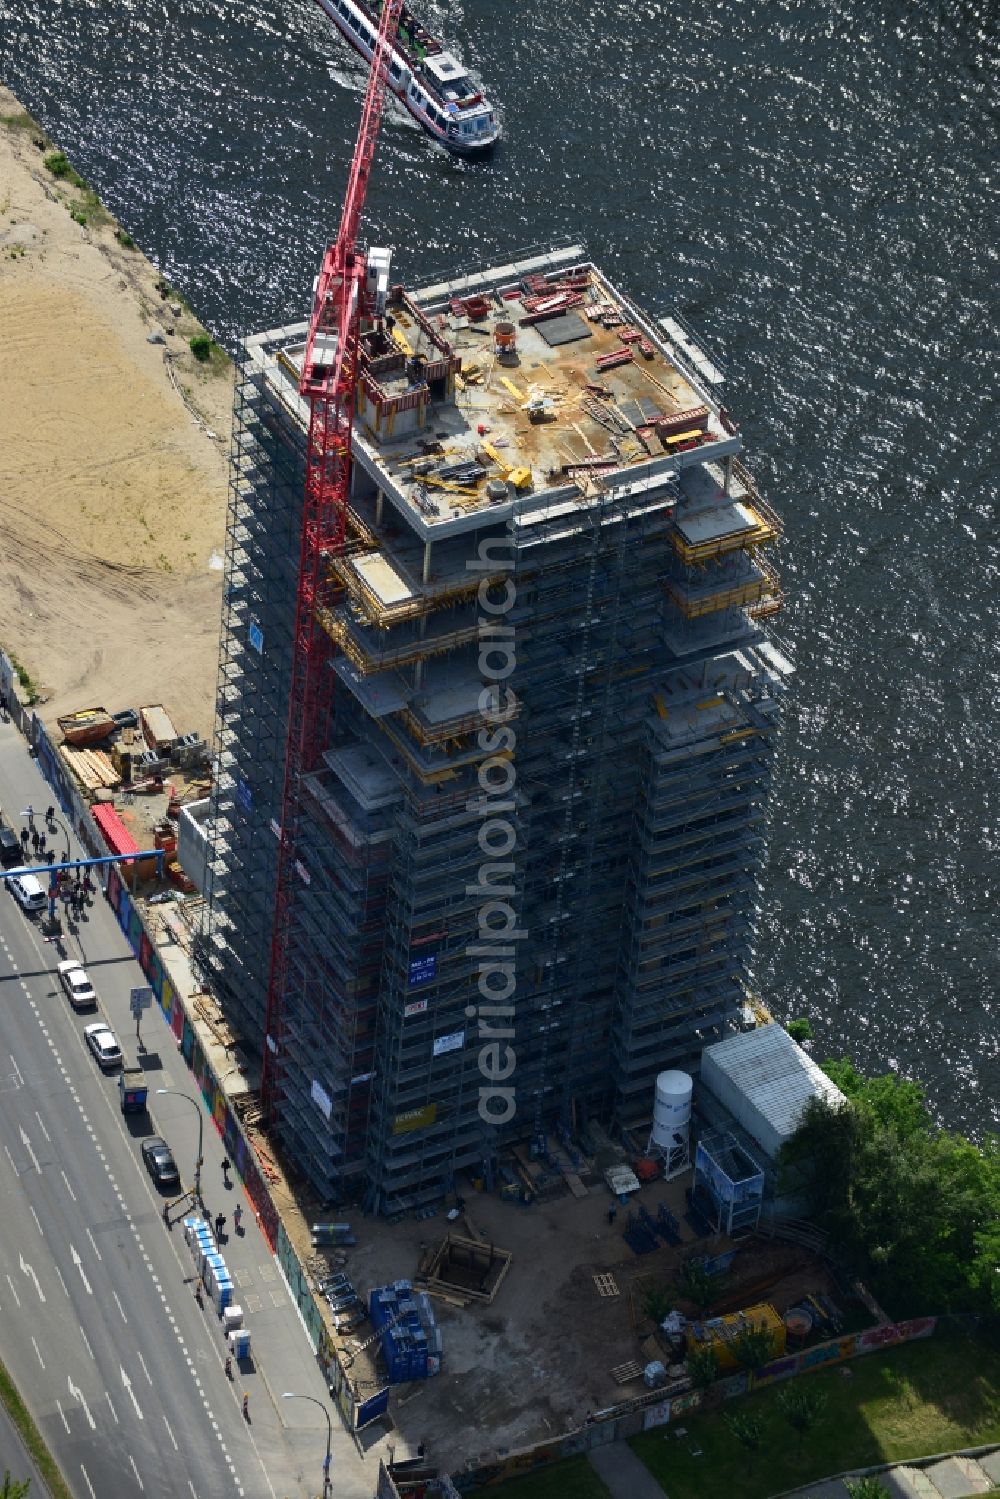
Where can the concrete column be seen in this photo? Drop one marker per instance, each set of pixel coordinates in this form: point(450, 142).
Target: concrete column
point(729, 475)
point(427, 561)
point(418, 674)
point(379, 498)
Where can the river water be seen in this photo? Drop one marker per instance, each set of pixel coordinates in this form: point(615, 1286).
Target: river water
point(814, 184)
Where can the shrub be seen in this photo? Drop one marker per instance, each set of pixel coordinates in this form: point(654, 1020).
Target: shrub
point(800, 1030)
point(125, 239)
point(201, 347)
point(59, 164)
point(703, 1367)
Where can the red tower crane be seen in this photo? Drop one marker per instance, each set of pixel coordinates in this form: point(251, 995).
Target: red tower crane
point(345, 293)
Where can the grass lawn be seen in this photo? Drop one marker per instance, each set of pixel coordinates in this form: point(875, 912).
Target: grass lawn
point(573, 1479)
point(910, 1401)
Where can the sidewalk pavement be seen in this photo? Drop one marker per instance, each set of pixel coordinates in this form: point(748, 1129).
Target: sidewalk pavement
point(625, 1476)
point(959, 1476)
point(289, 1435)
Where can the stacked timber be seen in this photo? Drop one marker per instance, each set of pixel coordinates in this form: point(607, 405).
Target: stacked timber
point(92, 768)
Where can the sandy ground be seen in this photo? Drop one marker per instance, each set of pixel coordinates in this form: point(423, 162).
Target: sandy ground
point(112, 490)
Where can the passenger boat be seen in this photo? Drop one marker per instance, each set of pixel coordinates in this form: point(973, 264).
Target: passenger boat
point(430, 81)
point(88, 726)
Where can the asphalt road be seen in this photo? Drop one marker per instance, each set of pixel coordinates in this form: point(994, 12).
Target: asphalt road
point(98, 1323)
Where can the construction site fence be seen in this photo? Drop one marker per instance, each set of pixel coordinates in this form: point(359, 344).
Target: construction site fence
point(644, 1413)
point(355, 1406)
point(172, 1005)
point(53, 768)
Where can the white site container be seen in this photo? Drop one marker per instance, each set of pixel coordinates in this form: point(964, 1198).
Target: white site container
point(765, 1081)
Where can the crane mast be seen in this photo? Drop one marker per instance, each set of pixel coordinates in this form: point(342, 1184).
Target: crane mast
point(343, 296)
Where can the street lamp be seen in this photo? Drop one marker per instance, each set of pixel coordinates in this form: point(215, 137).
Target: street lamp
point(197, 1165)
point(291, 1395)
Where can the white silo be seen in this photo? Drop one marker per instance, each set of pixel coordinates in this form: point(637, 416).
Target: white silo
point(670, 1135)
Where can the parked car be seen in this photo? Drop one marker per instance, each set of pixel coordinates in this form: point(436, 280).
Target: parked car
point(104, 1044)
point(10, 848)
point(160, 1163)
point(74, 979)
point(27, 891)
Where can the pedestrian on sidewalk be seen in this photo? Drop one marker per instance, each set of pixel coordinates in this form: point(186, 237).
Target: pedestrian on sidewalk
point(238, 1218)
point(246, 1406)
point(24, 840)
point(220, 1224)
point(34, 840)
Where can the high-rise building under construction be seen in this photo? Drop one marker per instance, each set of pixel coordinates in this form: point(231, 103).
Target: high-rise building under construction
point(528, 860)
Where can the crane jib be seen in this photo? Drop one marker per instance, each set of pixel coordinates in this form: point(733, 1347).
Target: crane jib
point(328, 383)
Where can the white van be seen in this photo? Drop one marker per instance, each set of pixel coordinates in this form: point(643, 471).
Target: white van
point(27, 891)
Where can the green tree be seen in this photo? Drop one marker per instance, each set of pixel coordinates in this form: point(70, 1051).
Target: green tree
point(695, 1284)
point(752, 1348)
point(910, 1208)
point(801, 1404)
point(657, 1302)
point(201, 346)
point(703, 1366)
point(800, 1030)
point(14, 1488)
point(747, 1431)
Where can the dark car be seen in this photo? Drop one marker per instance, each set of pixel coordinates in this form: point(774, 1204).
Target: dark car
point(160, 1163)
point(11, 852)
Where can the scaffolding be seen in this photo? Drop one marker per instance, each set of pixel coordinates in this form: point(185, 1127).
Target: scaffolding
point(640, 739)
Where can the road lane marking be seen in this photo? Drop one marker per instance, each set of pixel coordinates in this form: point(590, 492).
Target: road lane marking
point(89, 1349)
point(113, 1411)
point(61, 1416)
point(37, 1224)
point(26, 1142)
point(78, 1262)
point(69, 1189)
point(135, 1470)
point(17, 1070)
point(77, 1394)
point(27, 1270)
point(93, 1242)
point(131, 1393)
point(191, 1487)
point(35, 1346)
point(120, 1307)
point(11, 1159)
point(61, 1281)
point(89, 1484)
point(16, 1296)
point(170, 1434)
point(144, 1369)
point(39, 1118)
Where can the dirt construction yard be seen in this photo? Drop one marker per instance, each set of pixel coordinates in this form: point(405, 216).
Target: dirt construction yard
point(534, 1363)
point(112, 476)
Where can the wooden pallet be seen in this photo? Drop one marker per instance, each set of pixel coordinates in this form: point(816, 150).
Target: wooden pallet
point(625, 1373)
point(606, 1285)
